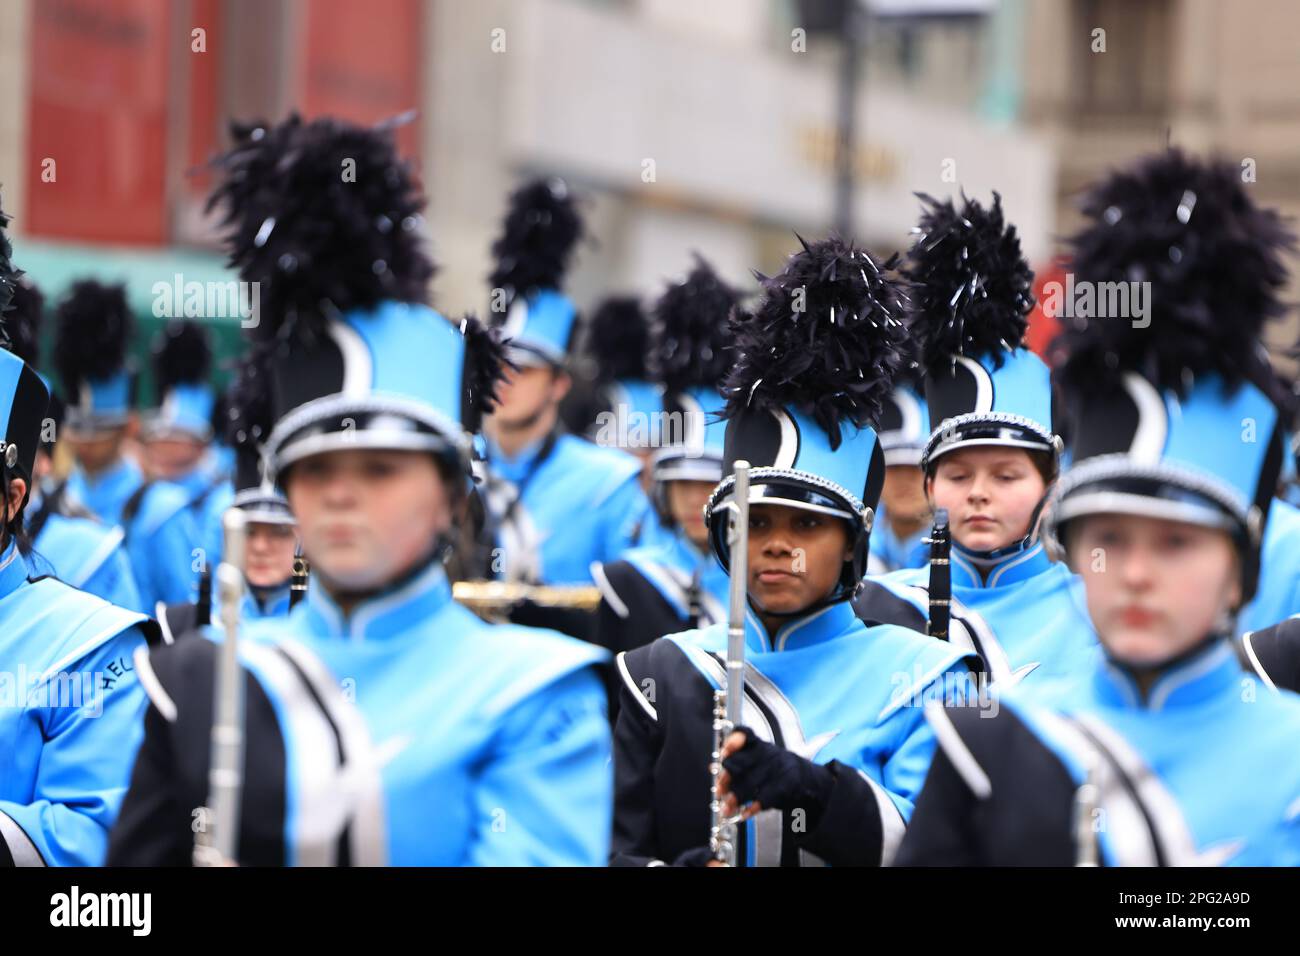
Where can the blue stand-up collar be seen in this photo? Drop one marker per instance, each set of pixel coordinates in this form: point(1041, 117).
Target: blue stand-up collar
point(387, 615)
point(1200, 677)
point(686, 553)
point(818, 627)
point(272, 603)
point(1009, 569)
point(13, 570)
point(514, 469)
point(124, 472)
point(200, 477)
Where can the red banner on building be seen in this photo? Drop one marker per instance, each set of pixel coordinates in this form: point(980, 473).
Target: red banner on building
point(361, 62)
point(97, 120)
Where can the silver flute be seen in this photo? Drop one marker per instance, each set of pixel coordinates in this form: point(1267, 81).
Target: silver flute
point(1087, 800)
point(728, 698)
point(218, 835)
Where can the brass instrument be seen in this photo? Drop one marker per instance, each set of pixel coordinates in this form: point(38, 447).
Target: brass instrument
point(218, 836)
point(496, 597)
point(728, 698)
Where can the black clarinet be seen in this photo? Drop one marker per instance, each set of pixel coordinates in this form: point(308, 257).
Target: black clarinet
point(694, 601)
point(940, 576)
point(203, 612)
point(298, 582)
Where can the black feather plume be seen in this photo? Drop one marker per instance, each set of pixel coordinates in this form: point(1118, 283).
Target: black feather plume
point(973, 287)
point(485, 368)
point(92, 329)
point(692, 337)
point(542, 225)
point(618, 339)
point(8, 278)
point(1214, 261)
point(249, 413)
point(325, 215)
point(182, 355)
point(24, 320)
point(827, 337)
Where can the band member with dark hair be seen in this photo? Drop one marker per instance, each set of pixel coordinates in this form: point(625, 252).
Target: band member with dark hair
point(384, 723)
point(556, 502)
point(178, 439)
point(1165, 752)
point(271, 529)
point(615, 401)
point(991, 458)
point(833, 745)
point(67, 540)
point(675, 583)
point(899, 538)
point(97, 388)
point(70, 735)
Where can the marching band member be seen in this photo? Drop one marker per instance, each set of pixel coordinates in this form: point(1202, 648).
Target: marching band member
point(90, 357)
point(271, 530)
point(177, 438)
point(557, 502)
point(616, 403)
point(385, 723)
point(70, 708)
point(67, 540)
point(1165, 752)
point(991, 457)
point(836, 745)
point(899, 538)
point(675, 583)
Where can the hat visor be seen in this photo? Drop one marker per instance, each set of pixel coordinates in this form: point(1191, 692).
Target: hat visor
point(957, 445)
point(904, 455)
point(80, 426)
point(788, 494)
point(526, 355)
point(1116, 484)
point(377, 422)
point(678, 464)
point(1103, 501)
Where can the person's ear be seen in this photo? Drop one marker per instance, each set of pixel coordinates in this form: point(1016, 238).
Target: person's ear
point(17, 492)
point(560, 385)
point(1234, 585)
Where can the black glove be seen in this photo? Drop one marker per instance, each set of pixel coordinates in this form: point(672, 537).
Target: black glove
point(778, 779)
point(699, 856)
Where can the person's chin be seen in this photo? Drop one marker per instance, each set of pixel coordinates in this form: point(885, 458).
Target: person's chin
point(983, 540)
point(1137, 647)
point(780, 599)
point(350, 571)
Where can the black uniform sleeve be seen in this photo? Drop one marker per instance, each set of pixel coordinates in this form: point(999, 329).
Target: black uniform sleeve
point(632, 612)
point(153, 826)
point(1274, 652)
point(942, 830)
point(636, 747)
point(876, 604)
point(849, 832)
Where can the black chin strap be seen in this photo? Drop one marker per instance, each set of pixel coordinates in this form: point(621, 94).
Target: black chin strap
point(838, 595)
point(442, 544)
point(1016, 547)
point(1157, 668)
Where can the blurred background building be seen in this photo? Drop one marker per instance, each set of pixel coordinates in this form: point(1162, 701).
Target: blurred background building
point(689, 124)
